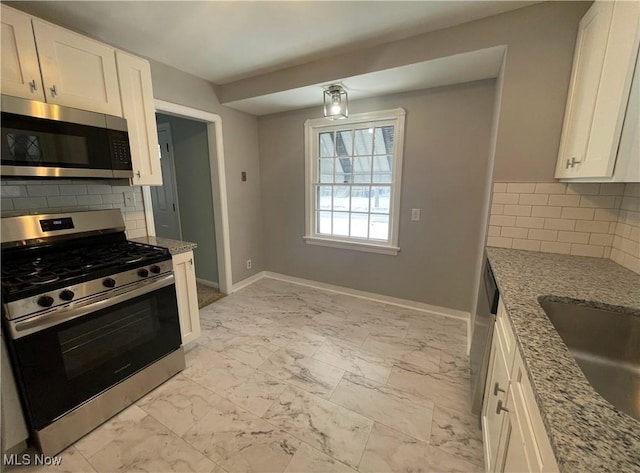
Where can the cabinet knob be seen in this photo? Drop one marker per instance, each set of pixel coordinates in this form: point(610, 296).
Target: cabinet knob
point(500, 407)
point(54, 91)
point(32, 86)
point(496, 389)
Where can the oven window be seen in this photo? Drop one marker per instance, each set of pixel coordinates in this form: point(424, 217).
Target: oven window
point(87, 346)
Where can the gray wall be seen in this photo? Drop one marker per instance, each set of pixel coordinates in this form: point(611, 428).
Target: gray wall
point(193, 179)
point(240, 141)
point(540, 41)
point(446, 154)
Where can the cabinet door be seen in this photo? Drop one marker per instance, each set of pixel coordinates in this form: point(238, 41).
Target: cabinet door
point(603, 65)
point(186, 292)
point(20, 68)
point(495, 396)
point(514, 452)
point(77, 71)
point(136, 92)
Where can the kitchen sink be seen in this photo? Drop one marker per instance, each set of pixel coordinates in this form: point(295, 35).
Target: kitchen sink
point(606, 346)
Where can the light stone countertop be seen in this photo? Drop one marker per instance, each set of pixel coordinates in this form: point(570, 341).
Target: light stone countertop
point(174, 246)
point(586, 432)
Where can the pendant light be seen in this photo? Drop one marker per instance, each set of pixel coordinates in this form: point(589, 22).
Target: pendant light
point(336, 104)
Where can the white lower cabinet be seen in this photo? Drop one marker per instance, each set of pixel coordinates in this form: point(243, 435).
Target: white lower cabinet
point(186, 291)
point(515, 439)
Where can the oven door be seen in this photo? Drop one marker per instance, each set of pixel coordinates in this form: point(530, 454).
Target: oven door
point(66, 364)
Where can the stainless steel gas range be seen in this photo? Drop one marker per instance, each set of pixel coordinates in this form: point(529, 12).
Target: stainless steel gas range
point(91, 320)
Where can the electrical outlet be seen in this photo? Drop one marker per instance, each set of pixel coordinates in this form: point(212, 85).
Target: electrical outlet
point(249, 264)
point(128, 199)
point(415, 215)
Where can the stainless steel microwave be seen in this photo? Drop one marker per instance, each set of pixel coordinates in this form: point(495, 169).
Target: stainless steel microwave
point(45, 140)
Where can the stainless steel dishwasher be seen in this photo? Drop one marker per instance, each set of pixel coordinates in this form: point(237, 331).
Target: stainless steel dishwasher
point(484, 321)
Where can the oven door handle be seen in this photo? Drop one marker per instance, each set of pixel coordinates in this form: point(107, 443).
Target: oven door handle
point(64, 314)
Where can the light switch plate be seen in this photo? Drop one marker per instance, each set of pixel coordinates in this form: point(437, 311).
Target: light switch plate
point(415, 215)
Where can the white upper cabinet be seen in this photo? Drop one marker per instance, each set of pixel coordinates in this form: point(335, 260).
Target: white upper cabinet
point(77, 71)
point(603, 69)
point(20, 68)
point(134, 75)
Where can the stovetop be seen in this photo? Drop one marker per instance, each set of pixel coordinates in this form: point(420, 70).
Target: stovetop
point(31, 271)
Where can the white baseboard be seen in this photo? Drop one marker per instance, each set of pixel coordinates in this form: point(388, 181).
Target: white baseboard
point(206, 282)
point(420, 306)
point(248, 281)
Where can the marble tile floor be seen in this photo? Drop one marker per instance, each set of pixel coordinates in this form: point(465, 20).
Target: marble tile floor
point(292, 379)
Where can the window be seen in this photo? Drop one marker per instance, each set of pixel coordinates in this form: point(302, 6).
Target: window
point(353, 170)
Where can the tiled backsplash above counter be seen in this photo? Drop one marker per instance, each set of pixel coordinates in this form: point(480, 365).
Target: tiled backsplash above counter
point(601, 220)
point(20, 197)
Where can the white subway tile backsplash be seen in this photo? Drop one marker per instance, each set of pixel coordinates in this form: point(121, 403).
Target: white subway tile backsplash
point(500, 242)
point(504, 198)
point(36, 190)
point(521, 188)
point(19, 197)
point(546, 211)
point(592, 226)
point(578, 213)
point(573, 237)
point(530, 222)
point(73, 189)
point(559, 224)
point(598, 201)
point(517, 210)
point(555, 247)
point(543, 235)
point(587, 250)
point(62, 201)
point(601, 239)
point(521, 244)
point(550, 188)
point(502, 220)
point(514, 232)
point(99, 189)
point(499, 187)
point(612, 188)
point(494, 231)
point(13, 191)
point(607, 214)
point(583, 189)
point(533, 199)
point(564, 200)
point(497, 209)
point(28, 203)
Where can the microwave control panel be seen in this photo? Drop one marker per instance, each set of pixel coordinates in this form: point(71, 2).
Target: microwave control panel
point(120, 150)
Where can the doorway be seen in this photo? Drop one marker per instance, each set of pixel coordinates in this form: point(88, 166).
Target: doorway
point(166, 210)
point(192, 160)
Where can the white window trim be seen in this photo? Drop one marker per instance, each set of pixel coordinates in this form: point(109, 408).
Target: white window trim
point(313, 126)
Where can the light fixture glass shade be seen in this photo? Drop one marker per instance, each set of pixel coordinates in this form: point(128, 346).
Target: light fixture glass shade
point(336, 103)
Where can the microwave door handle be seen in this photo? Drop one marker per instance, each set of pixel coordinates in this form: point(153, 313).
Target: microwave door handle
point(40, 322)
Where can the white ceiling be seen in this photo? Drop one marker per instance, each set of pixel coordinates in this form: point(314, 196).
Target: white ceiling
point(226, 41)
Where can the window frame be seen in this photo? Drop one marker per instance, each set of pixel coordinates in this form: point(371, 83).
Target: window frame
point(312, 130)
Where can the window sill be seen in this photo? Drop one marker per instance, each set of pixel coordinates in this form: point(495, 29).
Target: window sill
point(352, 245)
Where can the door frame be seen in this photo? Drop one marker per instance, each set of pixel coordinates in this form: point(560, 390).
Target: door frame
point(167, 127)
point(218, 186)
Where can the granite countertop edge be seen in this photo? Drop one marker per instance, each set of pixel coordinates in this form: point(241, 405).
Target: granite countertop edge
point(175, 247)
point(586, 432)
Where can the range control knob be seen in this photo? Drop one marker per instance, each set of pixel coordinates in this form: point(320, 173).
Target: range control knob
point(45, 301)
point(155, 269)
point(67, 295)
point(109, 282)
point(143, 273)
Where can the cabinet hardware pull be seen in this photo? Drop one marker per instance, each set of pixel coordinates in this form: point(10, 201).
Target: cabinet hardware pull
point(32, 85)
point(138, 174)
point(499, 407)
point(572, 162)
point(496, 389)
point(54, 91)
point(191, 261)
